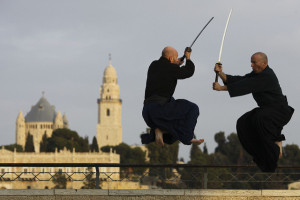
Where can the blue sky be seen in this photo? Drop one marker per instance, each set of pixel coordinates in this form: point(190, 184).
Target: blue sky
point(61, 47)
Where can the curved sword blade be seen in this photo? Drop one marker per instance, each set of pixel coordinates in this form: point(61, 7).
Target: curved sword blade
point(221, 48)
point(201, 32)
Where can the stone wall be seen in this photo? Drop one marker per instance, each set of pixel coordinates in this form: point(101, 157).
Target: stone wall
point(63, 156)
point(150, 194)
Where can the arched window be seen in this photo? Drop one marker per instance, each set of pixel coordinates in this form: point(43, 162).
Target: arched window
point(107, 112)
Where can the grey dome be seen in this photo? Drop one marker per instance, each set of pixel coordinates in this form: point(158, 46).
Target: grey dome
point(41, 112)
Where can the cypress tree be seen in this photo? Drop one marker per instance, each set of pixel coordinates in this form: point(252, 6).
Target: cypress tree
point(94, 146)
point(195, 152)
point(205, 151)
point(29, 147)
point(44, 143)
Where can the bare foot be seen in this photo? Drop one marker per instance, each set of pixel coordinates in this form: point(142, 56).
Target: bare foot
point(159, 137)
point(280, 147)
point(197, 142)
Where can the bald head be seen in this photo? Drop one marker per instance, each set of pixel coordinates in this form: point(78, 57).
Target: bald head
point(259, 61)
point(263, 57)
point(168, 51)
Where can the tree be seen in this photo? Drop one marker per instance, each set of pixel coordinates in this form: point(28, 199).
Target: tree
point(193, 177)
point(195, 152)
point(60, 181)
point(29, 146)
point(84, 143)
point(94, 147)
point(44, 143)
point(291, 155)
point(90, 181)
point(128, 155)
point(67, 138)
point(205, 151)
point(166, 155)
point(230, 150)
point(220, 139)
point(12, 147)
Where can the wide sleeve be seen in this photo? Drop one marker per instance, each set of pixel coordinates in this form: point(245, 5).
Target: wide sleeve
point(232, 79)
point(185, 71)
point(250, 84)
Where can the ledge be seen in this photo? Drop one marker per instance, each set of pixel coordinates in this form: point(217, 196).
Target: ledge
point(154, 192)
point(33, 192)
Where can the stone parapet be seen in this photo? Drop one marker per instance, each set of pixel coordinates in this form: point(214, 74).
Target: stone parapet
point(174, 194)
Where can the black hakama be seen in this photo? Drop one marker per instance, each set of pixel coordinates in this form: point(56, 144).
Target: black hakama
point(259, 129)
point(177, 118)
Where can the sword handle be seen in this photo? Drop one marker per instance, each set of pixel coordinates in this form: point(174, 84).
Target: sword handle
point(182, 58)
point(217, 76)
point(187, 49)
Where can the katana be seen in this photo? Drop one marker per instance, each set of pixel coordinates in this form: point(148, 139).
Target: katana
point(221, 48)
point(189, 48)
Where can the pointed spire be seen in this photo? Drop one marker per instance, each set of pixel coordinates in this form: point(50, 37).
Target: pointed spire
point(20, 115)
point(109, 59)
point(65, 121)
point(58, 115)
point(43, 94)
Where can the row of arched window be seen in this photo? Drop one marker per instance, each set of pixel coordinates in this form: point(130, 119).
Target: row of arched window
point(33, 126)
point(42, 126)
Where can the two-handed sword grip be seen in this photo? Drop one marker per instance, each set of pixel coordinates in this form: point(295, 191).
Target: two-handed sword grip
point(187, 49)
point(217, 76)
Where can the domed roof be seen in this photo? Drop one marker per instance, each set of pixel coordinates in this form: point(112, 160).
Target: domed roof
point(110, 71)
point(41, 112)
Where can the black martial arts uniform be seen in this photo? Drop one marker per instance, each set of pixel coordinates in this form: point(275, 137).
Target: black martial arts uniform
point(177, 118)
point(260, 128)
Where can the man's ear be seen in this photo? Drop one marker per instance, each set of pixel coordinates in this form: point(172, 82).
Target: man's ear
point(265, 64)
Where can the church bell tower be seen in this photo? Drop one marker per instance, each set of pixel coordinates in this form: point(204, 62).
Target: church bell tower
point(109, 128)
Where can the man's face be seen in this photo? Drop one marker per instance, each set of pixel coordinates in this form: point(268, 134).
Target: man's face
point(257, 64)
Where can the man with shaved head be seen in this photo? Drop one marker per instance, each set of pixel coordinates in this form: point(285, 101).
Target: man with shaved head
point(259, 130)
point(169, 119)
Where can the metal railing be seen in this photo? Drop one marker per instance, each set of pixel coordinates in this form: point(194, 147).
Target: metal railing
point(161, 175)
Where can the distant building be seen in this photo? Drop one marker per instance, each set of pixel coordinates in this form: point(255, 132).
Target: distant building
point(41, 119)
point(109, 128)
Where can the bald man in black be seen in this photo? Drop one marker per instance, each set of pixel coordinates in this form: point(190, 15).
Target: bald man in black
point(169, 119)
point(259, 130)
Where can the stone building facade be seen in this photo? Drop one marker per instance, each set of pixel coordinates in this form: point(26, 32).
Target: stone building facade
point(41, 119)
